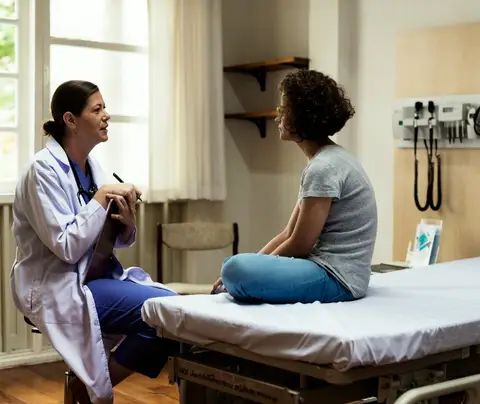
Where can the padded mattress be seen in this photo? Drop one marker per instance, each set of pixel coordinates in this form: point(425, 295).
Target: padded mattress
point(407, 314)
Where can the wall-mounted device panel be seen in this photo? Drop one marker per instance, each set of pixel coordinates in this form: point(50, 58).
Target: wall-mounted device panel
point(453, 121)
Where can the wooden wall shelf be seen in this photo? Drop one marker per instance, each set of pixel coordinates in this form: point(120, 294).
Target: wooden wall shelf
point(258, 118)
point(259, 70)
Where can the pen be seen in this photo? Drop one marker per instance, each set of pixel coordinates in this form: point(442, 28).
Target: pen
point(121, 181)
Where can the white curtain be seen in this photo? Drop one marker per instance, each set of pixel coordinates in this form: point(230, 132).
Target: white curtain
point(186, 124)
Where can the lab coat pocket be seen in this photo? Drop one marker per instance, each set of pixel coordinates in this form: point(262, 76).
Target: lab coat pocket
point(62, 298)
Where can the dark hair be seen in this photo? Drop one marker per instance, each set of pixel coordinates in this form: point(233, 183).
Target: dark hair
point(316, 107)
point(71, 96)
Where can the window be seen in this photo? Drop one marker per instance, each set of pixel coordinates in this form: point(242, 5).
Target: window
point(106, 42)
point(15, 91)
point(46, 42)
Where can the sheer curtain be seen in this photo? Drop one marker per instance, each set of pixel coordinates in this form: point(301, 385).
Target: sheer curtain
point(186, 125)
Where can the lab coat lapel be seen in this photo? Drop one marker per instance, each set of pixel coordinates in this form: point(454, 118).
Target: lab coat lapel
point(59, 154)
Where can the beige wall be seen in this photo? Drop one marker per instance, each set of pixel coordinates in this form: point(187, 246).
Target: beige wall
point(379, 21)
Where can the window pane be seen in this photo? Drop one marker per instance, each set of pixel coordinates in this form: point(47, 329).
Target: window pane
point(125, 153)
point(8, 9)
point(121, 76)
point(8, 104)
point(8, 156)
point(8, 57)
point(114, 21)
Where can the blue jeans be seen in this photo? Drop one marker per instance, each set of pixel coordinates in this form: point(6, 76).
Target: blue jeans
point(272, 279)
point(119, 305)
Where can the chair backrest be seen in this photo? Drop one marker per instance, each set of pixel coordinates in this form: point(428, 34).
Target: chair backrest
point(195, 236)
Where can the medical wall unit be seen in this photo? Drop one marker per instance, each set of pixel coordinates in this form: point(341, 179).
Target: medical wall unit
point(450, 122)
point(433, 123)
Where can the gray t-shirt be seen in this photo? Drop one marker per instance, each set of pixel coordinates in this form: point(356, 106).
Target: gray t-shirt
point(346, 243)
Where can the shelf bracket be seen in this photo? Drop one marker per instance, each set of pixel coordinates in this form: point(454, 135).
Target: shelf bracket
point(261, 75)
point(261, 124)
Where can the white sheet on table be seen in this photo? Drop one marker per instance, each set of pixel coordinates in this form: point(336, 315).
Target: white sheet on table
point(407, 314)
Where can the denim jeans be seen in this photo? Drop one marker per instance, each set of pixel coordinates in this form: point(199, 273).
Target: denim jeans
point(272, 279)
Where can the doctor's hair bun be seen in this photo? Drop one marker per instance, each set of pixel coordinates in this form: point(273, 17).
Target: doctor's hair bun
point(50, 128)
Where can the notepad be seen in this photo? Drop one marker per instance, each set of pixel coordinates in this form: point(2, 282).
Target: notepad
point(103, 251)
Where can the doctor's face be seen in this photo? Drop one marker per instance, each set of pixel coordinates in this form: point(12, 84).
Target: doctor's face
point(93, 122)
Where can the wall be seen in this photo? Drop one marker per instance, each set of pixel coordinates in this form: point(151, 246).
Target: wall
point(262, 174)
point(452, 75)
point(378, 23)
point(355, 42)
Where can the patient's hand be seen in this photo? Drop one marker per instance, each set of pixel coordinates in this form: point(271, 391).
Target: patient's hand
point(218, 287)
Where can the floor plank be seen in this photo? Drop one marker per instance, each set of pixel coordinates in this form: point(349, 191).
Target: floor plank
point(43, 384)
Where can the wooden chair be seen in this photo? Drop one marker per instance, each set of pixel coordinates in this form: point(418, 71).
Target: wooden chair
point(68, 396)
point(194, 236)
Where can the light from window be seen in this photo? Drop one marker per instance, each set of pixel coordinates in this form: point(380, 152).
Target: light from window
point(8, 9)
point(121, 76)
point(112, 21)
point(9, 142)
point(8, 107)
point(106, 42)
point(125, 153)
point(8, 158)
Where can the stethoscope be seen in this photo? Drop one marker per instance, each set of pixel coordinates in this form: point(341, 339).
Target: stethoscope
point(431, 165)
point(82, 192)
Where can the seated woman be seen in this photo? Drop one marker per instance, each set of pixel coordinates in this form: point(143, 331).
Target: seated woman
point(324, 253)
point(59, 211)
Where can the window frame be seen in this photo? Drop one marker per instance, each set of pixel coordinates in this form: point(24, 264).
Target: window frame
point(34, 93)
point(25, 85)
point(107, 46)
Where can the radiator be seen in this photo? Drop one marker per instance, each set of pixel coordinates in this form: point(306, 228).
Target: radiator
point(18, 346)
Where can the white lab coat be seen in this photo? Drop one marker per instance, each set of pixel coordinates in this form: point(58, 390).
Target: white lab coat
point(53, 234)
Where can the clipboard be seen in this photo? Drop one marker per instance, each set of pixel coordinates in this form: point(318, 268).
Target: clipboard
point(103, 251)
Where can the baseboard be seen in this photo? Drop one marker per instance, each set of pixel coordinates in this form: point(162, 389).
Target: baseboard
point(28, 358)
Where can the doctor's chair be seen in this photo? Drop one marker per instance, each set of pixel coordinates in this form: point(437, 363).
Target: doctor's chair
point(194, 236)
point(68, 396)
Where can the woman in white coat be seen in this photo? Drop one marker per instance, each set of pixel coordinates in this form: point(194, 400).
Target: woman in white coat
point(59, 211)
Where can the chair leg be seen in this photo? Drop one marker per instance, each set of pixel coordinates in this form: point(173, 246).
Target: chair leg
point(68, 397)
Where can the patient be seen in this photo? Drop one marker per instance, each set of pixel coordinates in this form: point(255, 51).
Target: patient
point(324, 253)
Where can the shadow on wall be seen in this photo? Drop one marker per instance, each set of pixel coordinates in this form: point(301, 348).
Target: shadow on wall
point(261, 155)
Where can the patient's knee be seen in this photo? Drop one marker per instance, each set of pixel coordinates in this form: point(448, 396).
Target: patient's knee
point(236, 269)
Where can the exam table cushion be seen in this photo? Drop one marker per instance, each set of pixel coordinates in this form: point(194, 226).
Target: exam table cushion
point(407, 314)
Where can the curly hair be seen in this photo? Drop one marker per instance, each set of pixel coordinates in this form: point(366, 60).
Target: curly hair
point(315, 106)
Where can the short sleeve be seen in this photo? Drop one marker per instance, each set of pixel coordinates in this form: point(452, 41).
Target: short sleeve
point(322, 180)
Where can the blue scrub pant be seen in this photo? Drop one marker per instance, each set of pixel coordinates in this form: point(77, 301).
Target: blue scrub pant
point(119, 306)
point(273, 279)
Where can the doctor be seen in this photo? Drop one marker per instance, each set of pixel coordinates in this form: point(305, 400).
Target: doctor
point(59, 210)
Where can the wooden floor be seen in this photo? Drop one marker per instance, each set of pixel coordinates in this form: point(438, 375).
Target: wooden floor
point(43, 384)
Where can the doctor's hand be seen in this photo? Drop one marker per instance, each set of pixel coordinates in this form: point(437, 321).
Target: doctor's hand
point(128, 191)
point(127, 211)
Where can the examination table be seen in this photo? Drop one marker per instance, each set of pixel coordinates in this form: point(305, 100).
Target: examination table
point(416, 335)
